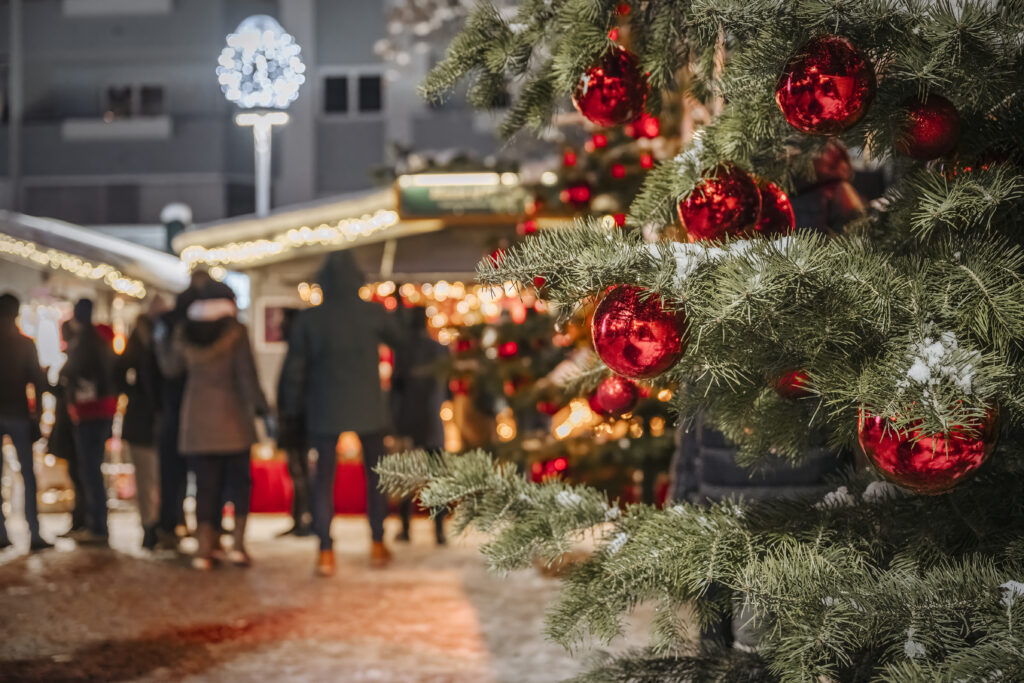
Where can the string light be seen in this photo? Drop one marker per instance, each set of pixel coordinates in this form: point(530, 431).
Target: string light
point(253, 251)
point(61, 260)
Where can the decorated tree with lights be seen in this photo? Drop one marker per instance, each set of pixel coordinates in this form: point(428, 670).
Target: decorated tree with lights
point(905, 333)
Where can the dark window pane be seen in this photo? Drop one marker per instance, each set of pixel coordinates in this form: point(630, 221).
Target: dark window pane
point(122, 204)
point(336, 94)
point(371, 97)
point(151, 100)
point(119, 102)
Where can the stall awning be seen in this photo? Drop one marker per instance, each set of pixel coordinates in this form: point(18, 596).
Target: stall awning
point(301, 230)
point(125, 267)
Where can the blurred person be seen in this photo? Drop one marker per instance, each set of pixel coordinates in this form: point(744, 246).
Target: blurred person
point(331, 372)
point(416, 398)
point(704, 466)
point(138, 377)
point(20, 369)
point(292, 439)
point(221, 402)
point(61, 441)
point(173, 466)
point(88, 377)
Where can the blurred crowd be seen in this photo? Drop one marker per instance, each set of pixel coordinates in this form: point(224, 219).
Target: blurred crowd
point(195, 408)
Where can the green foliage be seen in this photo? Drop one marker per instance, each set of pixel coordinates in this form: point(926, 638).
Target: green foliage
point(865, 584)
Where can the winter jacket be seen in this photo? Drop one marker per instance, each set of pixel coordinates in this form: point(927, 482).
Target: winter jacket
point(138, 377)
point(416, 393)
point(88, 377)
point(222, 392)
point(331, 369)
point(704, 469)
point(20, 367)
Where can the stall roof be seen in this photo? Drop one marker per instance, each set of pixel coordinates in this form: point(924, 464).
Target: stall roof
point(125, 266)
point(340, 222)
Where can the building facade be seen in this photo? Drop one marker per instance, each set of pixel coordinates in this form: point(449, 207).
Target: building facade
point(111, 108)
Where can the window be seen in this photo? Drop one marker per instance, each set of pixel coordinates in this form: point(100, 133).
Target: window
point(371, 97)
point(336, 95)
point(349, 92)
point(125, 101)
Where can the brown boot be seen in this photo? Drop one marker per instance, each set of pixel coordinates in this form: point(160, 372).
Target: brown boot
point(380, 556)
point(325, 564)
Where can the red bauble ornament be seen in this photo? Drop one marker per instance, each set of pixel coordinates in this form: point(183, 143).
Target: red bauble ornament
point(569, 158)
point(577, 193)
point(508, 349)
point(618, 171)
point(635, 335)
point(620, 219)
point(539, 281)
point(458, 385)
point(725, 202)
point(600, 140)
point(826, 87)
point(933, 465)
point(548, 407)
point(463, 345)
point(777, 216)
point(792, 385)
point(613, 91)
point(615, 395)
point(931, 129)
point(646, 161)
point(527, 227)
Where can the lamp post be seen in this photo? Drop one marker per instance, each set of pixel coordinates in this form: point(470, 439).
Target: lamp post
point(260, 71)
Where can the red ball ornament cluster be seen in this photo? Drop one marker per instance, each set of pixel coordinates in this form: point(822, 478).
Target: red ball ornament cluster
point(613, 91)
point(926, 464)
point(725, 202)
point(931, 128)
point(826, 87)
point(614, 396)
point(635, 334)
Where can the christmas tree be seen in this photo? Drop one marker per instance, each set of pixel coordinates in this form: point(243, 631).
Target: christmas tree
point(900, 335)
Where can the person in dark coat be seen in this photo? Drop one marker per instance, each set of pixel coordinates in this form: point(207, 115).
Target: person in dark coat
point(292, 439)
point(221, 402)
point(416, 398)
point(173, 467)
point(88, 377)
point(61, 441)
point(138, 377)
point(19, 370)
point(331, 372)
point(704, 464)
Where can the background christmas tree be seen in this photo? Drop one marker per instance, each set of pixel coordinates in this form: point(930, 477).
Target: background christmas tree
point(907, 328)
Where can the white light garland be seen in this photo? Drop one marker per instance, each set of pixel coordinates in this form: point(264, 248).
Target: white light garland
point(60, 260)
point(260, 67)
point(253, 251)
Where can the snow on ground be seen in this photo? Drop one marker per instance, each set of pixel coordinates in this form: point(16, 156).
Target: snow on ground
point(126, 615)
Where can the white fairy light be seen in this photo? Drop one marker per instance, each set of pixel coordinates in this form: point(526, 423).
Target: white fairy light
point(261, 67)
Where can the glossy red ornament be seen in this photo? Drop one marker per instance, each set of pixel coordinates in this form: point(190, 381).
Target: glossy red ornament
point(613, 91)
point(646, 161)
point(600, 140)
point(615, 395)
point(539, 281)
point(508, 349)
point(826, 87)
point(935, 464)
point(577, 193)
point(569, 158)
point(635, 335)
point(792, 385)
point(496, 257)
point(620, 219)
point(618, 171)
point(777, 217)
point(463, 345)
point(547, 407)
point(931, 128)
point(725, 202)
point(527, 227)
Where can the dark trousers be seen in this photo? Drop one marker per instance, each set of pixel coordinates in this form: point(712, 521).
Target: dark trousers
point(323, 485)
point(20, 431)
point(405, 512)
point(215, 476)
point(91, 446)
point(173, 479)
point(298, 470)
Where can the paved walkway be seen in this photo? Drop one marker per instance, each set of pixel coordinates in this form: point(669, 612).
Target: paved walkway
point(123, 614)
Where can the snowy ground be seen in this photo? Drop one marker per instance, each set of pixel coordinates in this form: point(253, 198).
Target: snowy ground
point(123, 614)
